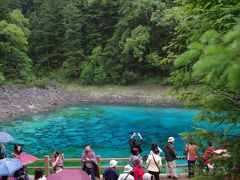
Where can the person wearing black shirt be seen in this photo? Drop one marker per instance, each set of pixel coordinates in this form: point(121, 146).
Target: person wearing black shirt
point(134, 143)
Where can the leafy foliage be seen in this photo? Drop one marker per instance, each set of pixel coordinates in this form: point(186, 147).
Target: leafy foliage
point(16, 65)
point(93, 71)
point(217, 58)
point(137, 42)
point(207, 67)
point(65, 33)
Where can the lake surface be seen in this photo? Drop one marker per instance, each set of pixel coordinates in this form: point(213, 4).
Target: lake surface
point(107, 128)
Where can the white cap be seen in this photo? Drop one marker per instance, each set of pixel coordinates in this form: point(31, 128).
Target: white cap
point(113, 163)
point(127, 168)
point(171, 139)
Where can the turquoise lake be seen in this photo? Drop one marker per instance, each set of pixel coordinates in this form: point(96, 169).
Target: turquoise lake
point(107, 128)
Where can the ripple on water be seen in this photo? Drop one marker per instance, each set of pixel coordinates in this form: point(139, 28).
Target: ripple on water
point(106, 128)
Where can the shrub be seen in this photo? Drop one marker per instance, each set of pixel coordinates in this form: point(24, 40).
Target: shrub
point(41, 83)
point(129, 77)
point(87, 74)
point(2, 79)
point(100, 75)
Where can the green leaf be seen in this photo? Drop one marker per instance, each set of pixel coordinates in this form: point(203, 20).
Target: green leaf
point(195, 46)
point(234, 75)
point(187, 57)
point(233, 34)
point(209, 37)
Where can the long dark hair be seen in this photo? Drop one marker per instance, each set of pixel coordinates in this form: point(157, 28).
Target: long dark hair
point(56, 154)
point(38, 173)
point(16, 150)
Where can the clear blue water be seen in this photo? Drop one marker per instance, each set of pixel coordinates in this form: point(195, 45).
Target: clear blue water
point(106, 128)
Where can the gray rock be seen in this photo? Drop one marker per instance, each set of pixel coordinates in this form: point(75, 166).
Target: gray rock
point(15, 101)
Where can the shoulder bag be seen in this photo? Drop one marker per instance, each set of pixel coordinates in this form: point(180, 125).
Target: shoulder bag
point(156, 163)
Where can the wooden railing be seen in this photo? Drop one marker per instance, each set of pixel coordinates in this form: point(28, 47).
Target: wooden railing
point(47, 163)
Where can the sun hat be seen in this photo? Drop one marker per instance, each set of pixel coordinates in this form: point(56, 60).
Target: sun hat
point(171, 139)
point(113, 163)
point(127, 168)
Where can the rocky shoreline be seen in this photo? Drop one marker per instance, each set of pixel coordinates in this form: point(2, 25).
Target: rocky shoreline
point(18, 101)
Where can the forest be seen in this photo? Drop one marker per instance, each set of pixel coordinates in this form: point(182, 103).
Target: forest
point(110, 41)
point(193, 45)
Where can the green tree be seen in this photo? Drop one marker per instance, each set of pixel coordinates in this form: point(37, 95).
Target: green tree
point(13, 52)
point(196, 17)
point(4, 9)
point(205, 51)
point(207, 67)
point(64, 34)
point(47, 37)
point(136, 38)
point(7, 6)
point(100, 18)
point(93, 71)
point(137, 43)
point(73, 42)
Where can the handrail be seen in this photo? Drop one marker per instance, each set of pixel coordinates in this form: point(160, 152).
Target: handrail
point(46, 160)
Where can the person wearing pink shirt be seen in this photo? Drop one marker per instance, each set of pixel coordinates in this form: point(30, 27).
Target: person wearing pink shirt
point(89, 162)
point(57, 161)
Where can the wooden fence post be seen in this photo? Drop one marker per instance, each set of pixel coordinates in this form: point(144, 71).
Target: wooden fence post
point(46, 165)
point(98, 162)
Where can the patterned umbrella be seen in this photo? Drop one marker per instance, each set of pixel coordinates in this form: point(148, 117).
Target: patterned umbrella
point(8, 166)
point(66, 174)
point(26, 158)
point(5, 137)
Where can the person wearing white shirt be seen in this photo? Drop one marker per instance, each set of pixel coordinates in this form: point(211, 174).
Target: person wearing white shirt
point(154, 146)
point(154, 163)
point(126, 175)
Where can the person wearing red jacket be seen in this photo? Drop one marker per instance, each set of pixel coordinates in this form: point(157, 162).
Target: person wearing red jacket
point(208, 154)
point(191, 151)
point(138, 170)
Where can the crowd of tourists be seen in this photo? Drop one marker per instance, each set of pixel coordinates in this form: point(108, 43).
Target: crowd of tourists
point(139, 168)
point(153, 162)
point(135, 170)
